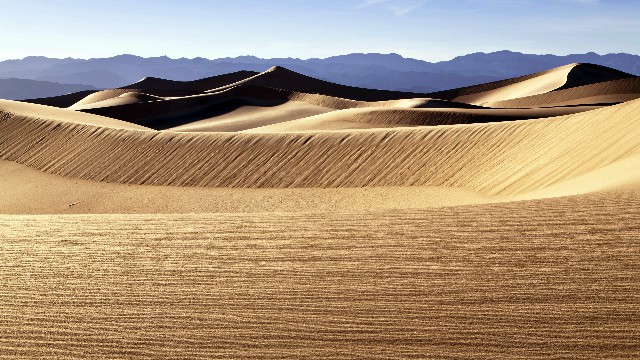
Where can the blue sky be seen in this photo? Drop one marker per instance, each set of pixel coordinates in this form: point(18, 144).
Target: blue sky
point(424, 29)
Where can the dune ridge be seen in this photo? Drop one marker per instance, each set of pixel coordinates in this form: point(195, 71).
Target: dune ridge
point(568, 76)
point(615, 91)
point(281, 78)
point(61, 101)
point(374, 117)
point(42, 114)
point(200, 85)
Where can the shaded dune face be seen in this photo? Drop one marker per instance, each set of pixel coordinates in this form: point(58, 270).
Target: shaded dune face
point(280, 129)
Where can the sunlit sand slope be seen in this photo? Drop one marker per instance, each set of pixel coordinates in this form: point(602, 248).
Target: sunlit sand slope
point(39, 115)
point(368, 118)
point(563, 77)
point(507, 157)
point(609, 92)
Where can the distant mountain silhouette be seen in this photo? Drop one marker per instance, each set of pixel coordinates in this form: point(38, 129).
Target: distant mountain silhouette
point(380, 71)
point(18, 89)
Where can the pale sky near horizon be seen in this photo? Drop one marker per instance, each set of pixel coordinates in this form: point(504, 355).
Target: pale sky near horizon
point(431, 30)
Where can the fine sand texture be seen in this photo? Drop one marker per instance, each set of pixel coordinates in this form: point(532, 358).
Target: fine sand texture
point(536, 280)
point(276, 216)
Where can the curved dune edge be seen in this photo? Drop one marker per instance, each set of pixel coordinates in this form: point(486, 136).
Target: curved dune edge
point(110, 97)
point(372, 118)
point(498, 158)
point(162, 87)
point(252, 116)
point(199, 85)
point(603, 92)
point(48, 114)
point(543, 83)
point(130, 97)
point(61, 101)
point(281, 78)
point(563, 77)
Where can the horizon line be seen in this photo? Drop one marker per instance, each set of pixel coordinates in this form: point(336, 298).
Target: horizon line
point(312, 58)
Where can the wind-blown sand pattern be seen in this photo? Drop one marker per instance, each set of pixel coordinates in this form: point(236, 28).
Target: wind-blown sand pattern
point(272, 215)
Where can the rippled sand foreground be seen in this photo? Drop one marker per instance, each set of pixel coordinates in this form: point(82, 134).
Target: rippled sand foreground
point(533, 280)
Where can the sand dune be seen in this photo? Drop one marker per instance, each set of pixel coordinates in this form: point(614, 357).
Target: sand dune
point(125, 98)
point(272, 215)
point(151, 85)
point(261, 102)
point(116, 97)
point(281, 78)
point(61, 101)
point(306, 139)
point(609, 92)
point(507, 157)
point(563, 77)
point(201, 85)
point(371, 118)
point(170, 113)
point(250, 117)
point(39, 115)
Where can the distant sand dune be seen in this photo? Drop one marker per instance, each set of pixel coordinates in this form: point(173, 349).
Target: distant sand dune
point(215, 106)
point(567, 76)
point(215, 111)
point(281, 78)
point(608, 92)
point(61, 101)
point(369, 118)
point(129, 97)
point(266, 93)
point(252, 116)
point(201, 85)
point(111, 97)
point(41, 114)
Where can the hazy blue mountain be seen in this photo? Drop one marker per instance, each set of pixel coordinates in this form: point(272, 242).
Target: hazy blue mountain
point(509, 64)
point(18, 89)
point(383, 71)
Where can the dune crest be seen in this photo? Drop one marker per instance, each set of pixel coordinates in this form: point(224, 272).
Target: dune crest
point(571, 75)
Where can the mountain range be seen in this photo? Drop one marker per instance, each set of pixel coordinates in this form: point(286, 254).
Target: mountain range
point(42, 76)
